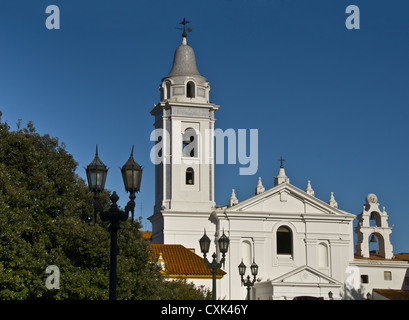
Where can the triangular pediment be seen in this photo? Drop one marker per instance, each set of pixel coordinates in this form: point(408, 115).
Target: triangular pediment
point(305, 274)
point(285, 198)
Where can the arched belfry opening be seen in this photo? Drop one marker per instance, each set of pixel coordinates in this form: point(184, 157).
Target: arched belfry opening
point(167, 88)
point(190, 143)
point(376, 244)
point(375, 219)
point(190, 89)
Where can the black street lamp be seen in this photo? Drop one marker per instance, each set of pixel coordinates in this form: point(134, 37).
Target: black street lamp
point(131, 175)
point(96, 176)
point(248, 283)
point(214, 265)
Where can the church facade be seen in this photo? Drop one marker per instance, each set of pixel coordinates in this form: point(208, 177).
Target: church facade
point(303, 246)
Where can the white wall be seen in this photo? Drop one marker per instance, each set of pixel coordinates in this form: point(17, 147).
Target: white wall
point(375, 270)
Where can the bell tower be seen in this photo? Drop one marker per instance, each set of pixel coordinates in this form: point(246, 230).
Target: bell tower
point(379, 231)
point(184, 153)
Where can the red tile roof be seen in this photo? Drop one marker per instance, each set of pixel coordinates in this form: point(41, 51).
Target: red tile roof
point(182, 262)
point(396, 257)
point(402, 256)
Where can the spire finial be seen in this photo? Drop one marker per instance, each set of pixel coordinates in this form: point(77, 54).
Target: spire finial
point(233, 199)
point(332, 201)
point(184, 34)
point(96, 150)
point(260, 188)
point(132, 151)
point(309, 189)
point(281, 161)
point(184, 22)
point(282, 177)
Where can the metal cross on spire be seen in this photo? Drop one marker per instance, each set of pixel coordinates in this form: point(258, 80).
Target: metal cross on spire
point(281, 160)
point(185, 22)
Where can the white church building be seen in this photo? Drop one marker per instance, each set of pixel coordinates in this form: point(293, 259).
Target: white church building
point(303, 246)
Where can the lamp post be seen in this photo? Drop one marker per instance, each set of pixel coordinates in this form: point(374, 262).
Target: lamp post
point(114, 215)
point(248, 283)
point(214, 265)
point(96, 176)
point(131, 175)
point(330, 295)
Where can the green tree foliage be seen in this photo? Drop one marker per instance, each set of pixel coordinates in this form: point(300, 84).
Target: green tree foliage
point(46, 218)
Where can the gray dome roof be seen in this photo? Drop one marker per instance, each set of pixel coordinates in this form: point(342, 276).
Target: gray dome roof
point(184, 62)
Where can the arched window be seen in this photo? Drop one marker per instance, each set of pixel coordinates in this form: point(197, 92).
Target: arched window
point(190, 176)
point(284, 241)
point(190, 89)
point(246, 253)
point(189, 147)
point(167, 90)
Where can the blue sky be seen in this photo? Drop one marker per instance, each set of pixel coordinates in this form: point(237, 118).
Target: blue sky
point(333, 102)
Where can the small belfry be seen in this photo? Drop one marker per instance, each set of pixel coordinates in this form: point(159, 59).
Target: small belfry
point(184, 82)
point(370, 232)
point(281, 178)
